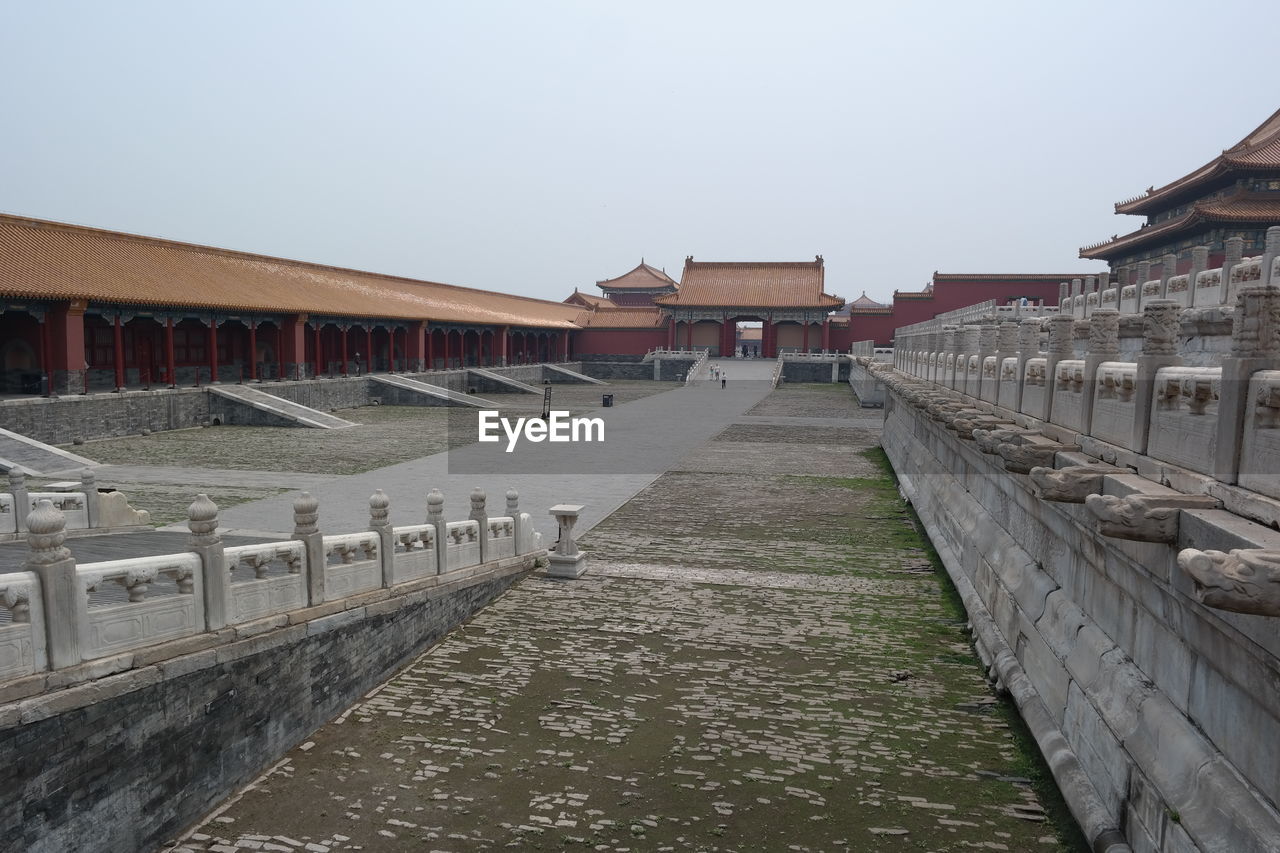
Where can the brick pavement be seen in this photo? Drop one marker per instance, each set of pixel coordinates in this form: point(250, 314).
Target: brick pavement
point(761, 658)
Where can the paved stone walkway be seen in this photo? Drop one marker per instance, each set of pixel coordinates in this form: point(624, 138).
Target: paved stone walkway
point(761, 658)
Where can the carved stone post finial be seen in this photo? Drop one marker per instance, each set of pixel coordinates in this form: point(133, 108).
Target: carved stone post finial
point(1104, 332)
point(306, 512)
point(435, 517)
point(1255, 328)
point(480, 515)
point(306, 515)
point(1061, 336)
point(379, 509)
point(65, 604)
point(206, 542)
point(1234, 252)
point(513, 502)
point(1161, 327)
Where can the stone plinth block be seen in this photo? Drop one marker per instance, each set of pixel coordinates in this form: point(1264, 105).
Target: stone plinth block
point(567, 561)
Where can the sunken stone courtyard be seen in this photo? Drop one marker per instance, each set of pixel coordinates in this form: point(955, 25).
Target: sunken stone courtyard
point(765, 654)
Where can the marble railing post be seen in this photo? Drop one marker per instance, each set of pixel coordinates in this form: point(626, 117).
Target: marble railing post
point(968, 346)
point(435, 517)
point(480, 515)
point(206, 543)
point(1255, 345)
point(1028, 347)
point(1061, 348)
point(1161, 331)
point(1104, 345)
point(1199, 263)
point(1233, 254)
point(1064, 294)
point(950, 348)
point(988, 335)
point(89, 485)
point(59, 586)
point(21, 499)
point(1169, 268)
point(306, 514)
point(934, 344)
point(1269, 254)
point(513, 510)
point(380, 523)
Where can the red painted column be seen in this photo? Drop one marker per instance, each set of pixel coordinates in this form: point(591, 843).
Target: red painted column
point(428, 347)
point(826, 334)
point(280, 368)
point(67, 368)
point(671, 333)
point(319, 357)
point(804, 336)
point(448, 336)
point(503, 344)
point(688, 334)
point(253, 350)
point(368, 348)
point(46, 359)
point(118, 348)
point(344, 350)
point(170, 367)
point(213, 350)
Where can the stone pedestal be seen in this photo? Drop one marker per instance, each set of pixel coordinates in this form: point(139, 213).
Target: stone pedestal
point(566, 560)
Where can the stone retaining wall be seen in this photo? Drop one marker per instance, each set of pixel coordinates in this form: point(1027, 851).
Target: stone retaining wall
point(122, 762)
point(1156, 713)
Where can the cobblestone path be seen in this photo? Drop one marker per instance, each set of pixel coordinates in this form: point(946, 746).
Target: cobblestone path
point(761, 658)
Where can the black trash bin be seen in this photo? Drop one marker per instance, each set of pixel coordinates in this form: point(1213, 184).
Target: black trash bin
point(608, 401)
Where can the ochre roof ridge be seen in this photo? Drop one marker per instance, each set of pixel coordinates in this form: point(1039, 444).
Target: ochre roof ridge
point(1263, 137)
point(660, 275)
point(35, 223)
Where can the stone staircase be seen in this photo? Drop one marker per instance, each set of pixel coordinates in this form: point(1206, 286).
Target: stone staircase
point(575, 375)
point(264, 402)
point(28, 456)
point(504, 380)
point(452, 398)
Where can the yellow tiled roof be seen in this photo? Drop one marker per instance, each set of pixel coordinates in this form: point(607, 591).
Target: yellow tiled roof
point(52, 260)
point(752, 284)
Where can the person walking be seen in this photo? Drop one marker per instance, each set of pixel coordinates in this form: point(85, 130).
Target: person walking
point(724, 377)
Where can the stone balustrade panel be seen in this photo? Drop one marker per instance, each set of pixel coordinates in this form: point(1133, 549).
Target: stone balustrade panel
point(266, 579)
point(1077, 306)
point(1034, 387)
point(1129, 299)
point(415, 552)
point(1260, 452)
point(1178, 289)
point(502, 537)
point(8, 517)
point(972, 376)
point(22, 636)
point(1007, 395)
point(462, 548)
point(352, 564)
point(139, 601)
point(1091, 303)
point(989, 383)
point(74, 506)
point(1068, 395)
point(1184, 417)
point(1148, 291)
point(528, 539)
point(1114, 406)
point(1110, 298)
point(1208, 289)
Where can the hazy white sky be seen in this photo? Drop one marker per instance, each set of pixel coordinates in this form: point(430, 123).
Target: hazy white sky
point(532, 147)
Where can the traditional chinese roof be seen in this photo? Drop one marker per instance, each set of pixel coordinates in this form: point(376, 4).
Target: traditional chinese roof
point(643, 277)
point(622, 318)
point(1259, 151)
point(751, 284)
point(52, 260)
point(589, 300)
point(1251, 208)
point(865, 301)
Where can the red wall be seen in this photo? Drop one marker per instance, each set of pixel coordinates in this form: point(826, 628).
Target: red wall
point(618, 341)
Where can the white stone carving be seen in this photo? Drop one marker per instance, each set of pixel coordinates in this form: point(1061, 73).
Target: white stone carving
point(22, 640)
point(1143, 517)
point(113, 626)
point(1069, 485)
point(72, 504)
point(1184, 416)
point(1021, 458)
point(1260, 449)
point(415, 552)
point(502, 537)
point(462, 545)
point(352, 564)
point(1240, 580)
point(277, 583)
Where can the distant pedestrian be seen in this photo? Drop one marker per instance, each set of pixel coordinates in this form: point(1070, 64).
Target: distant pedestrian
point(724, 377)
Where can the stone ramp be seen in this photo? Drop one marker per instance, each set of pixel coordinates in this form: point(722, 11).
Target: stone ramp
point(28, 456)
point(579, 377)
point(452, 398)
point(264, 402)
point(504, 380)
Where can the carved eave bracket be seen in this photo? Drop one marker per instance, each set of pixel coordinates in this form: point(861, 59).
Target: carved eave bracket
point(1242, 581)
point(1070, 485)
point(1144, 518)
point(1021, 458)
